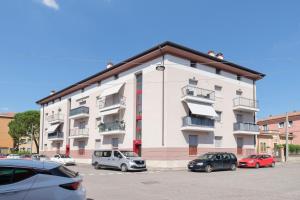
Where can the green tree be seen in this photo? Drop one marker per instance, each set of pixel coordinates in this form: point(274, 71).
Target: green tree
point(23, 125)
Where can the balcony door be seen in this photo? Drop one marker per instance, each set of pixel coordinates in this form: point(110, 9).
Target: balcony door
point(193, 145)
point(240, 144)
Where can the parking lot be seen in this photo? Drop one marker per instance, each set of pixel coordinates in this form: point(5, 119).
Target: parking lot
point(281, 182)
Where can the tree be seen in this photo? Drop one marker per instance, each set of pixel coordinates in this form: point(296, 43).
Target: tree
point(23, 125)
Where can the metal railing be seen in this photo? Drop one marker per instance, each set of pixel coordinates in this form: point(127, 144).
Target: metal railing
point(198, 92)
point(55, 135)
point(198, 121)
point(239, 126)
point(112, 126)
point(103, 103)
point(79, 132)
point(241, 101)
point(55, 117)
point(79, 110)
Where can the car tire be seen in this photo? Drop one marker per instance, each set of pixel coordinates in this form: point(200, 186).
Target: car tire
point(96, 165)
point(233, 167)
point(124, 168)
point(273, 164)
point(257, 165)
point(208, 169)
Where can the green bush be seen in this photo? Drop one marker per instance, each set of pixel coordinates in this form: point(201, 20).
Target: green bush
point(294, 148)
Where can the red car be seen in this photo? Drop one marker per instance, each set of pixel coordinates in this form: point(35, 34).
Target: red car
point(257, 161)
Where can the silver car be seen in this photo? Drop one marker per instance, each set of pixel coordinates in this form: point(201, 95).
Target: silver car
point(123, 160)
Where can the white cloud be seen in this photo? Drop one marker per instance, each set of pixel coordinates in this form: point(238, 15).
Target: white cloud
point(51, 4)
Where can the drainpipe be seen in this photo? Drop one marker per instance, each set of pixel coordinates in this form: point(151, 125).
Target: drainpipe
point(254, 115)
point(42, 132)
point(163, 98)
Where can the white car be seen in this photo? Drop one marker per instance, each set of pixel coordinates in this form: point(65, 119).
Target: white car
point(36, 180)
point(13, 156)
point(63, 159)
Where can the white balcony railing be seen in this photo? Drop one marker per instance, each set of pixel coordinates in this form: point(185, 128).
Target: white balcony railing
point(79, 132)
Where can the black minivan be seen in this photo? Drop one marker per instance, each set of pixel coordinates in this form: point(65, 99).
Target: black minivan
point(214, 161)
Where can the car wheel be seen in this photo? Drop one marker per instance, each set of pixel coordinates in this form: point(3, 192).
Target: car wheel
point(96, 166)
point(124, 168)
point(273, 164)
point(233, 167)
point(208, 169)
point(257, 165)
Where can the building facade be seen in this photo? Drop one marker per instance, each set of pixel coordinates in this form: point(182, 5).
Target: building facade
point(273, 132)
point(168, 104)
point(26, 144)
point(6, 142)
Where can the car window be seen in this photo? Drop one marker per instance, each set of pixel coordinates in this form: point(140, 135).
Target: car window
point(232, 156)
point(98, 153)
point(6, 175)
point(218, 157)
point(56, 156)
point(226, 156)
point(22, 174)
point(106, 153)
point(117, 154)
point(267, 156)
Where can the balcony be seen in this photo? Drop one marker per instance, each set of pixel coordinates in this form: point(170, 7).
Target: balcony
point(55, 118)
point(245, 128)
point(80, 112)
point(197, 124)
point(56, 136)
point(112, 128)
point(244, 104)
point(108, 107)
point(79, 133)
point(192, 93)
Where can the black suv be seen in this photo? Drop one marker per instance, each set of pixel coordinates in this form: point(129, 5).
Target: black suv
point(213, 161)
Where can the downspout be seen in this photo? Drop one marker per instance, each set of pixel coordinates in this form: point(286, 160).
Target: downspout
point(163, 99)
point(42, 132)
point(254, 115)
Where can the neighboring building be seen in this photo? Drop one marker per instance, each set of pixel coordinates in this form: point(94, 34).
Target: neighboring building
point(272, 131)
point(25, 145)
point(6, 142)
point(168, 104)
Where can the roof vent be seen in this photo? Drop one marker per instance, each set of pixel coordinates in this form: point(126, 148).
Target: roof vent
point(52, 92)
point(211, 53)
point(220, 56)
point(109, 65)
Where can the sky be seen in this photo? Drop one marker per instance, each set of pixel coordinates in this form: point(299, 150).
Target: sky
point(49, 44)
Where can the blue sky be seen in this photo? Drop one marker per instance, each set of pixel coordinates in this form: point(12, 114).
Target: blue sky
point(50, 44)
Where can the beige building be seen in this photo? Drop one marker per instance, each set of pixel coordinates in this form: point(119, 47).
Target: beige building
point(6, 142)
point(168, 104)
point(26, 145)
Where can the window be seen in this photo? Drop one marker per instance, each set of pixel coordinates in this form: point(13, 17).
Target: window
point(218, 141)
point(6, 175)
point(82, 90)
point(98, 153)
point(117, 154)
point(218, 71)
point(193, 144)
point(193, 64)
point(115, 142)
point(263, 147)
point(281, 125)
point(239, 92)
point(22, 174)
point(218, 88)
point(98, 83)
point(193, 81)
point(106, 153)
point(238, 77)
point(81, 147)
point(82, 102)
point(219, 117)
point(265, 127)
point(116, 76)
point(290, 123)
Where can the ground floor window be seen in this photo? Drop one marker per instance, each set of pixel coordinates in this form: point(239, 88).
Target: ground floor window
point(193, 144)
point(263, 147)
point(115, 142)
point(240, 144)
point(218, 141)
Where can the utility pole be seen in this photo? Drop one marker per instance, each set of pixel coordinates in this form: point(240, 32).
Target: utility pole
point(286, 137)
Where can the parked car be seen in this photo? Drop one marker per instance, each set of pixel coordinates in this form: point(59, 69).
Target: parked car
point(213, 161)
point(39, 157)
point(257, 161)
point(63, 159)
point(13, 156)
point(26, 156)
point(3, 156)
point(123, 160)
point(35, 180)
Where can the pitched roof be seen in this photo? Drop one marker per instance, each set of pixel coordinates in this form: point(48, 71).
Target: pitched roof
point(8, 115)
point(150, 54)
point(279, 117)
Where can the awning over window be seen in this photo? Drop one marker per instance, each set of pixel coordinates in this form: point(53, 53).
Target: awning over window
point(109, 112)
point(200, 109)
point(112, 90)
point(53, 128)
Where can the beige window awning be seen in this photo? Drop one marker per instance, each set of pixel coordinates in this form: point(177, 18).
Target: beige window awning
point(200, 109)
point(112, 90)
point(109, 112)
point(53, 128)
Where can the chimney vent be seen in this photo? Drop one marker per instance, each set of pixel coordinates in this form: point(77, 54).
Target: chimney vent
point(220, 56)
point(211, 53)
point(109, 65)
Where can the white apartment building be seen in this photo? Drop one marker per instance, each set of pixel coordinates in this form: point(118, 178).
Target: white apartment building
point(168, 104)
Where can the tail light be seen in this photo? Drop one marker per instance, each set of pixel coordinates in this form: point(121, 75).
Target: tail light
point(71, 186)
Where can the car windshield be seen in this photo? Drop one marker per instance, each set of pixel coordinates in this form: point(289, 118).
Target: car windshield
point(129, 154)
point(64, 156)
point(252, 156)
point(206, 156)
